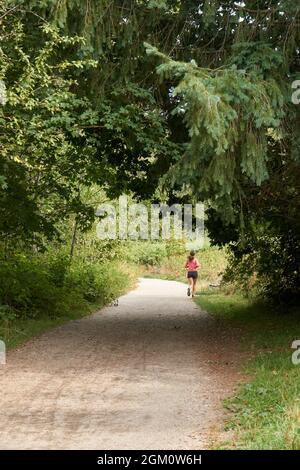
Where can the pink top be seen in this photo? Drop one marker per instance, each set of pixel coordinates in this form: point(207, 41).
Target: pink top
point(192, 265)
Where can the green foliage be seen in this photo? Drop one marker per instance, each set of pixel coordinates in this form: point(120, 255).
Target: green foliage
point(48, 286)
point(27, 288)
point(98, 283)
point(147, 253)
point(243, 139)
point(44, 152)
point(133, 146)
point(228, 113)
point(217, 122)
point(153, 253)
point(268, 263)
point(162, 4)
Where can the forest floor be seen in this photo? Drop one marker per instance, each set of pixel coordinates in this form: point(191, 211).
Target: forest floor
point(151, 373)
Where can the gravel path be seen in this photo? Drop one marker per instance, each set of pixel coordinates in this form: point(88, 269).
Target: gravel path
point(148, 374)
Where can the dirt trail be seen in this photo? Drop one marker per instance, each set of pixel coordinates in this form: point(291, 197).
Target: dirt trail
point(149, 374)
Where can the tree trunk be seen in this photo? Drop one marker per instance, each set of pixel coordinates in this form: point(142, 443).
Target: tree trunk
point(73, 238)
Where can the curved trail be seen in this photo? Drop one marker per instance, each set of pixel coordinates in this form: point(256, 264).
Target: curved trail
point(149, 374)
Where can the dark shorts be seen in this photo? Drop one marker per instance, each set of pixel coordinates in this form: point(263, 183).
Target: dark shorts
point(193, 274)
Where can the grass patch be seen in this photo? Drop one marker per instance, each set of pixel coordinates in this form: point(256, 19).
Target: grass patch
point(266, 411)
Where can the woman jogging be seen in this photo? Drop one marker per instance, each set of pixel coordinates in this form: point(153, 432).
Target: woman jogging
point(192, 265)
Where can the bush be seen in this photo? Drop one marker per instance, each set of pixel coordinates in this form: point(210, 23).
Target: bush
point(96, 282)
point(31, 286)
point(147, 253)
point(267, 265)
point(57, 267)
point(27, 287)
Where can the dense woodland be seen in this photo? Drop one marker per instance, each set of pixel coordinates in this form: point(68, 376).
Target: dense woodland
point(175, 100)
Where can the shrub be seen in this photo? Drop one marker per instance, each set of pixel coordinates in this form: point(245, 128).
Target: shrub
point(267, 266)
point(26, 286)
point(147, 253)
point(96, 282)
point(36, 285)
